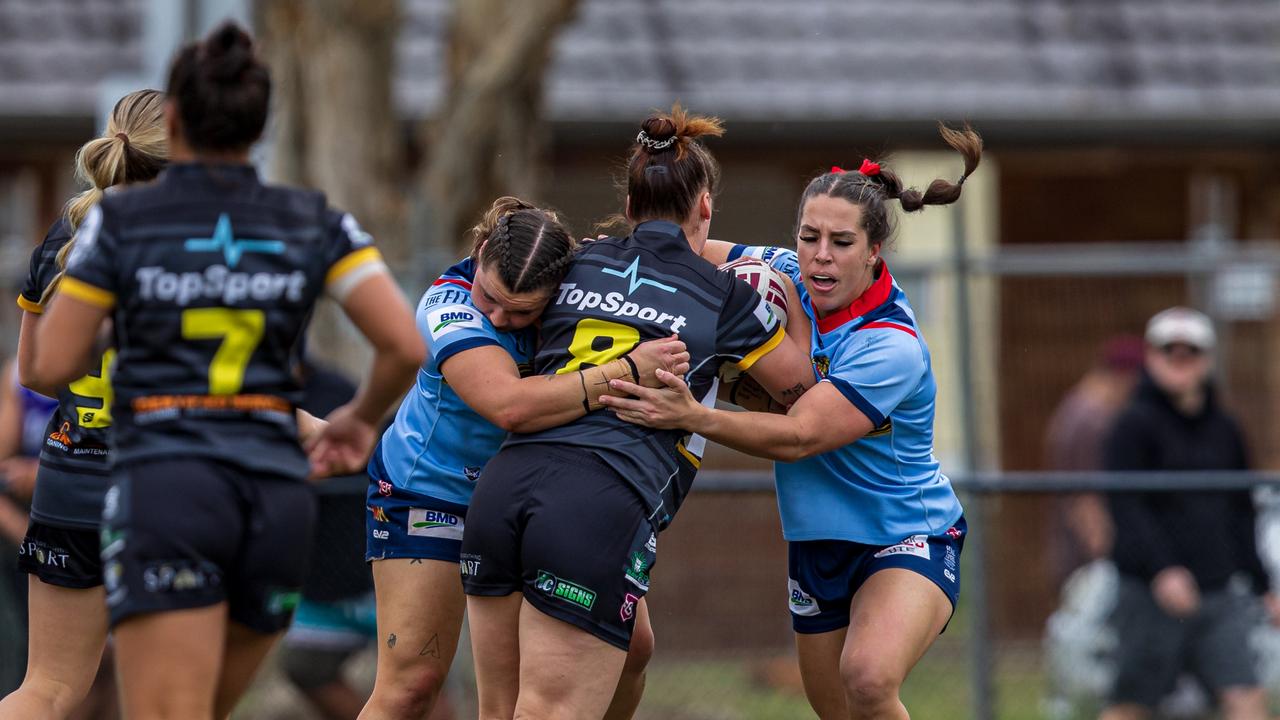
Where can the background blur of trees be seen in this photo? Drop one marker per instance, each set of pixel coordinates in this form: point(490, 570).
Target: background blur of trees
point(336, 127)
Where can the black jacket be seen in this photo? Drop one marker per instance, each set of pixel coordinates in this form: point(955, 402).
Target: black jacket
point(1211, 533)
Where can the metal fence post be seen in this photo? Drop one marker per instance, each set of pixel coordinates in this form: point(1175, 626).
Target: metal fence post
point(982, 688)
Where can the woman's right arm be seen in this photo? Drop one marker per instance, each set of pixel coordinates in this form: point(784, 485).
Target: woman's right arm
point(378, 309)
point(27, 355)
point(488, 381)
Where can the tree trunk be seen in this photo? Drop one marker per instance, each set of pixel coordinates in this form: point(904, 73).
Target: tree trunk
point(488, 135)
point(335, 128)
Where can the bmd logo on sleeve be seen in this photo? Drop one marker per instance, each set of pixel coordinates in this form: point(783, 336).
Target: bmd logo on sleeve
point(447, 319)
point(436, 524)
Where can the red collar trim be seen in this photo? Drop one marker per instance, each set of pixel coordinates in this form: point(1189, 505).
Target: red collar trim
point(871, 298)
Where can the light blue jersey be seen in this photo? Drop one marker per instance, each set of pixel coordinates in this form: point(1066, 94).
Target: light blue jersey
point(437, 444)
point(887, 486)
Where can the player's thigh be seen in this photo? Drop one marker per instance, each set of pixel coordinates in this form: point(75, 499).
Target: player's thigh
point(170, 662)
point(894, 618)
point(819, 657)
point(245, 649)
point(495, 645)
point(420, 608)
point(69, 631)
point(564, 672)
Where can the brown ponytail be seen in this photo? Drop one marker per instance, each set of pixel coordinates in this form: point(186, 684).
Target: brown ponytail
point(870, 191)
point(669, 167)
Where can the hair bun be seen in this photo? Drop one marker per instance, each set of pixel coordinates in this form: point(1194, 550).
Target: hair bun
point(228, 53)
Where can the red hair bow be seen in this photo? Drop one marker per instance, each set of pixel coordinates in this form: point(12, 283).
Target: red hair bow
point(869, 168)
point(837, 169)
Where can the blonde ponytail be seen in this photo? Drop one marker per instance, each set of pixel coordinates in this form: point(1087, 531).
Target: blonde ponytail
point(134, 148)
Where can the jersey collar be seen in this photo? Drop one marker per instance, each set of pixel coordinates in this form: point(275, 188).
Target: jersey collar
point(234, 171)
point(667, 230)
point(870, 299)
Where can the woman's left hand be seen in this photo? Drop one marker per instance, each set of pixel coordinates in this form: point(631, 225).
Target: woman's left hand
point(669, 408)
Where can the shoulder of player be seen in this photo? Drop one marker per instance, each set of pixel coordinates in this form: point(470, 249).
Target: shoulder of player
point(59, 234)
point(892, 338)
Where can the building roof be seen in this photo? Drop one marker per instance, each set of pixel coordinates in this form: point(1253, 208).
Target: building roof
point(900, 60)
point(54, 53)
point(800, 60)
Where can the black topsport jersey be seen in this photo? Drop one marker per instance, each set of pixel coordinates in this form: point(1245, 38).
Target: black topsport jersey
point(75, 453)
point(212, 276)
point(620, 292)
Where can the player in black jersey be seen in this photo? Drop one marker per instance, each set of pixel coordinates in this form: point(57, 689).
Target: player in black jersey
point(562, 530)
point(60, 550)
point(210, 278)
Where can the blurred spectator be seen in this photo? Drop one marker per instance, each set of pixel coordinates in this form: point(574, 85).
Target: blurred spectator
point(23, 417)
point(1081, 527)
point(1178, 607)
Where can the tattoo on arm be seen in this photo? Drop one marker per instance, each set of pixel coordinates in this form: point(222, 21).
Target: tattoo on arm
point(415, 561)
point(793, 393)
point(391, 640)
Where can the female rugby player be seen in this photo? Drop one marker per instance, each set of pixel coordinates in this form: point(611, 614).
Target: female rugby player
point(874, 528)
point(562, 531)
point(210, 277)
point(61, 544)
point(475, 387)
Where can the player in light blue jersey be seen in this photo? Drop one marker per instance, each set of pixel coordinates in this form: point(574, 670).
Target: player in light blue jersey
point(475, 386)
point(874, 529)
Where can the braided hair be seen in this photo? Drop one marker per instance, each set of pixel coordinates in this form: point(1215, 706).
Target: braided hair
point(527, 246)
point(872, 187)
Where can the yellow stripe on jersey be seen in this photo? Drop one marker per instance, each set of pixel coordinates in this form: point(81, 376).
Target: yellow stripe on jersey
point(89, 293)
point(745, 363)
point(694, 459)
point(350, 262)
point(29, 306)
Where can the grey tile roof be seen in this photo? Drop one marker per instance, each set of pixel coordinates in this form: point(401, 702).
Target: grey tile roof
point(898, 59)
point(778, 59)
point(53, 53)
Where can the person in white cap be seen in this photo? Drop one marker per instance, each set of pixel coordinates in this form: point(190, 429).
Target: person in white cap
point(1189, 569)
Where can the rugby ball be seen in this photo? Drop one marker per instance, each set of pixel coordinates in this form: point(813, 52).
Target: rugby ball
point(764, 280)
point(768, 283)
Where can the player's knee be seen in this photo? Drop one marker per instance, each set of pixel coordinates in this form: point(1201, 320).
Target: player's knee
point(640, 652)
point(413, 691)
point(868, 685)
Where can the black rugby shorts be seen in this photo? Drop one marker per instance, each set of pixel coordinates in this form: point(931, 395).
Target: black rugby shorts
point(560, 526)
point(181, 534)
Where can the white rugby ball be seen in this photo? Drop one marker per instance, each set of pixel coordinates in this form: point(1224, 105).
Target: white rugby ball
point(764, 280)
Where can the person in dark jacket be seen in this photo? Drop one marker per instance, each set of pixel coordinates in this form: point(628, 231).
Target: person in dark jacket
point(1189, 567)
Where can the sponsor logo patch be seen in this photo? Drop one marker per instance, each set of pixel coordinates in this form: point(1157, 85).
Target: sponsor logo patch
point(917, 545)
point(180, 576)
point(450, 318)
point(436, 524)
point(470, 563)
point(384, 488)
point(379, 514)
point(568, 591)
point(381, 534)
point(628, 609)
point(801, 602)
point(637, 572)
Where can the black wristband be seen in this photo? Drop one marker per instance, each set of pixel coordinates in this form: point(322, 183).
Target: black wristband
point(635, 371)
point(586, 396)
